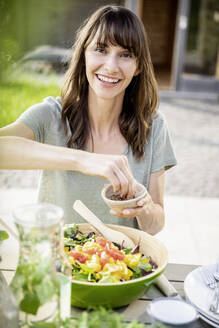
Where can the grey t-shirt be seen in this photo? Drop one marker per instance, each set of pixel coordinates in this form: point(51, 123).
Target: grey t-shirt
point(64, 187)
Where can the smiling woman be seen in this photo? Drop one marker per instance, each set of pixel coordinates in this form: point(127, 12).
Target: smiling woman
point(109, 69)
point(105, 126)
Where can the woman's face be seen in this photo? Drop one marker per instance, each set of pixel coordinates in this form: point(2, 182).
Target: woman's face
point(109, 69)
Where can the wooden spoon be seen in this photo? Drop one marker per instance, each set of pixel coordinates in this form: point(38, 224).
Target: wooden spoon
point(108, 233)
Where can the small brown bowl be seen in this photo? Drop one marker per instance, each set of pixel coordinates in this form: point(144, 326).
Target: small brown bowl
point(120, 205)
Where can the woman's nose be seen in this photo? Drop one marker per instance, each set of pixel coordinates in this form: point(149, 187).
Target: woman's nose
point(111, 63)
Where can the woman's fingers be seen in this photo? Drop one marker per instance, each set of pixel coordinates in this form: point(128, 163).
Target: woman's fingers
point(127, 181)
point(114, 168)
point(122, 215)
point(131, 181)
point(118, 172)
point(143, 205)
point(128, 213)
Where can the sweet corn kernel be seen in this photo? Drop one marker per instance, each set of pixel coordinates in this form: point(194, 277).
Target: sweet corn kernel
point(66, 249)
point(78, 248)
point(71, 259)
point(93, 266)
point(90, 245)
point(132, 260)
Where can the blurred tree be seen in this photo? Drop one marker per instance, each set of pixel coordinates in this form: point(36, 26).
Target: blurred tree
point(208, 38)
point(9, 48)
point(193, 25)
point(28, 24)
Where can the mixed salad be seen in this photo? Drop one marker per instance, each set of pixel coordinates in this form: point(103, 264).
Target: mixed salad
point(96, 259)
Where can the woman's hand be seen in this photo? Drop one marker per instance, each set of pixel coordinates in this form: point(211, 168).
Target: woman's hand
point(150, 211)
point(114, 168)
point(144, 206)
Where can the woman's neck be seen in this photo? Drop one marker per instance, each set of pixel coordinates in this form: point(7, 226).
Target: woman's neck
point(104, 114)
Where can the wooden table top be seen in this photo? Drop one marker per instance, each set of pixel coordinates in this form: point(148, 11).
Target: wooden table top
point(176, 274)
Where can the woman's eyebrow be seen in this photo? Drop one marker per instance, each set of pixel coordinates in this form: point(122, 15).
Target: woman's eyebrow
point(101, 44)
point(107, 45)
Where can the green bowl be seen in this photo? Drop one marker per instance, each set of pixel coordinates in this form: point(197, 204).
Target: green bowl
point(86, 294)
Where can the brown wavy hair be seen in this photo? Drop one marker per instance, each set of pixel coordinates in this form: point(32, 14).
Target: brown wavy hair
point(115, 25)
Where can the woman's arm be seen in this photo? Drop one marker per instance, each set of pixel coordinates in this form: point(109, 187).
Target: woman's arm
point(19, 151)
point(152, 218)
point(150, 213)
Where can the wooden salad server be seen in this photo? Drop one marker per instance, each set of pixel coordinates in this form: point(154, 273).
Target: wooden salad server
point(166, 287)
point(108, 233)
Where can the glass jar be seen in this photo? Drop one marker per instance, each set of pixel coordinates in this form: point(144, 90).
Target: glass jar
point(8, 306)
point(39, 290)
point(64, 272)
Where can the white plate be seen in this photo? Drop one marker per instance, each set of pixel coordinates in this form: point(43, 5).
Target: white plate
point(200, 295)
point(211, 323)
point(203, 317)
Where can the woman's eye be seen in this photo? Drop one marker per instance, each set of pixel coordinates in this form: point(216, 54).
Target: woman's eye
point(127, 55)
point(100, 50)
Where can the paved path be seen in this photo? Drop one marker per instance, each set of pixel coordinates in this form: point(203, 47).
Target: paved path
point(194, 126)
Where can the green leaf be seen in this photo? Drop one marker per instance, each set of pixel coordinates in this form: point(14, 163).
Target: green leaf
point(44, 325)
point(145, 266)
point(83, 320)
point(3, 235)
point(136, 274)
point(107, 279)
point(69, 242)
point(18, 280)
point(136, 324)
point(30, 303)
point(85, 268)
point(79, 236)
point(71, 230)
point(40, 270)
point(137, 271)
point(81, 276)
point(45, 291)
point(127, 250)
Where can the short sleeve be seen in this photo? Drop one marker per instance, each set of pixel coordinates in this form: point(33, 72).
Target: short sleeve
point(163, 154)
point(39, 117)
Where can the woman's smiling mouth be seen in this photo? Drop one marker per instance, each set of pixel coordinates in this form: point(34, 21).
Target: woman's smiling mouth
point(106, 79)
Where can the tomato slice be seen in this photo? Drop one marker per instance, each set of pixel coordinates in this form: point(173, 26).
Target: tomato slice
point(116, 254)
point(101, 241)
point(104, 258)
point(80, 257)
point(94, 250)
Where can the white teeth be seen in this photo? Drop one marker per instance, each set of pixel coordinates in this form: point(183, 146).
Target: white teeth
point(107, 79)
